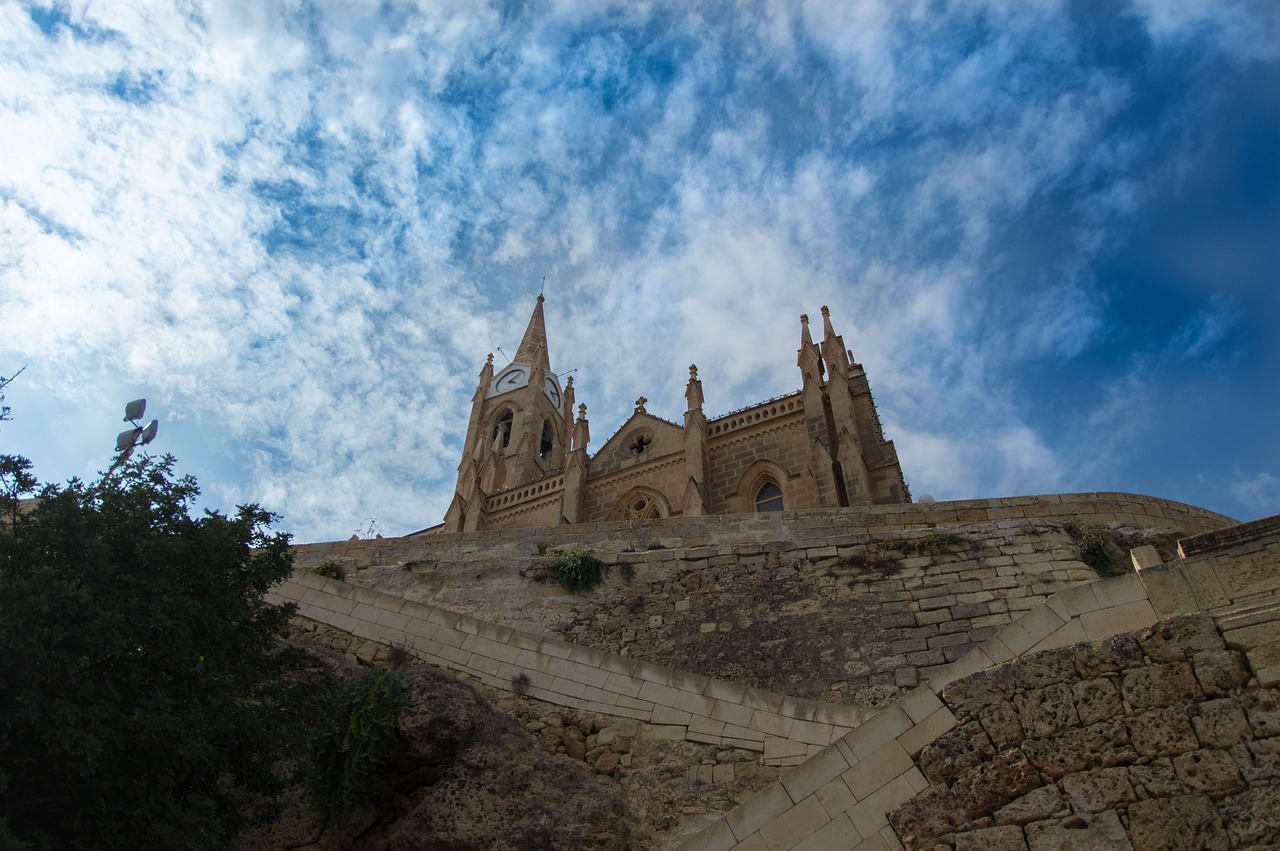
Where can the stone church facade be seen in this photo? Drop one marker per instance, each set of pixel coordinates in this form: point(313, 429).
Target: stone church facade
point(525, 461)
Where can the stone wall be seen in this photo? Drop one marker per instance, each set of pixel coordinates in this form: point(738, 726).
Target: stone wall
point(1159, 739)
point(781, 438)
point(798, 604)
point(843, 798)
point(781, 730)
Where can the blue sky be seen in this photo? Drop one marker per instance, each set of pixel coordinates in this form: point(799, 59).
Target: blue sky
point(1049, 230)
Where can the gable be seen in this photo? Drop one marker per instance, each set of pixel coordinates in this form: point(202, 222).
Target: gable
point(641, 438)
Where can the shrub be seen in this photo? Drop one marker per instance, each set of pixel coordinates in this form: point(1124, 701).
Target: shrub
point(578, 570)
point(1097, 551)
point(352, 752)
point(330, 569)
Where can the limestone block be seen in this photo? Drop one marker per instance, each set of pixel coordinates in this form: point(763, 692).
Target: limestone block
point(1169, 590)
point(1159, 686)
point(838, 835)
point(955, 752)
point(1156, 778)
point(1263, 710)
point(1208, 772)
point(1118, 619)
point(1180, 637)
point(985, 788)
point(1098, 745)
point(1220, 672)
point(1259, 762)
point(835, 797)
point(969, 695)
point(1185, 821)
point(927, 731)
point(809, 777)
point(1045, 711)
point(793, 825)
point(1101, 831)
point(877, 731)
point(1144, 557)
point(869, 815)
point(1036, 805)
point(717, 837)
point(1253, 816)
point(1096, 791)
point(1162, 732)
point(1047, 669)
point(776, 748)
point(1112, 654)
point(1005, 838)
point(1096, 700)
point(869, 774)
point(1069, 634)
point(1220, 723)
point(934, 813)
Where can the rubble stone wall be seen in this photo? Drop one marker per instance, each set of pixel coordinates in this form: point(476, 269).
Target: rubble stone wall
point(1159, 739)
point(1027, 757)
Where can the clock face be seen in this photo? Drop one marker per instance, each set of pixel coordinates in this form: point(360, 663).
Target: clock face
point(552, 388)
point(511, 378)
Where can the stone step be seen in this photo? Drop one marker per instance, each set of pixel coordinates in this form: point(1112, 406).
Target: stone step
point(1248, 613)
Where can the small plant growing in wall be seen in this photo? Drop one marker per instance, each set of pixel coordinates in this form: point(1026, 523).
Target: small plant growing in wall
point(330, 569)
point(1096, 550)
point(578, 571)
point(349, 755)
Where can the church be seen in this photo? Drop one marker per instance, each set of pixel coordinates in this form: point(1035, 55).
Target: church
point(525, 462)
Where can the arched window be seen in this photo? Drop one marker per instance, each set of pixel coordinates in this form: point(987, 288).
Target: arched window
point(769, 497)
point(503, 425)
point(548, 440)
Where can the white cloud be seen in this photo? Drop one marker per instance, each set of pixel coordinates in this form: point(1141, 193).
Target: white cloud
point(310, 229)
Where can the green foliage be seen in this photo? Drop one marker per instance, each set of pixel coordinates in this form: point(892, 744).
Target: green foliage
point(1097, 551)
point(578, 570)
point(934, 544)
point(5, 410)
point(330, 569)
point(143, 702)
point(349, 757)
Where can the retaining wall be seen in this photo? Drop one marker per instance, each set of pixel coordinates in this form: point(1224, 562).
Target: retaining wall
point(842, 798)
point(783, 730)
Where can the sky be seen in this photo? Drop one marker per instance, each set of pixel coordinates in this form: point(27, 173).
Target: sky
point(1050, 231)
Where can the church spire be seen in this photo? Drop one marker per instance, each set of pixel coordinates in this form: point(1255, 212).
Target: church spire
point(533, 347)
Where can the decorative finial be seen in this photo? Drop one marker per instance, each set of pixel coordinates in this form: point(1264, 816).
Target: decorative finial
point(640, 405)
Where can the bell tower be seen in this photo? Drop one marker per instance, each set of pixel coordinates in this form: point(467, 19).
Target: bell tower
point(518, 432)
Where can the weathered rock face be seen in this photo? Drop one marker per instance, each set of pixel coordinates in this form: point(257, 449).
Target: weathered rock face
point(463, 776)
point(1159, 739)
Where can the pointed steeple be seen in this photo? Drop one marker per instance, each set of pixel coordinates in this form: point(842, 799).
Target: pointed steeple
point(533, 347)
point(808, 358)
point(833, 351)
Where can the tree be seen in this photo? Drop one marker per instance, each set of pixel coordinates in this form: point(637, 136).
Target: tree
point(143, 700)
point(5, 410)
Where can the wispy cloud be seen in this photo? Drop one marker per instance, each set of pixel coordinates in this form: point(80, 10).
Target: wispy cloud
point(303, 226)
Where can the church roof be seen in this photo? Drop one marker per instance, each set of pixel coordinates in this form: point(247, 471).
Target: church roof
point(533, 347)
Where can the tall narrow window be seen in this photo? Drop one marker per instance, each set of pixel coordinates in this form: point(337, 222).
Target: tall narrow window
point(548, 440)
point(769, 497)
point(504, 425)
